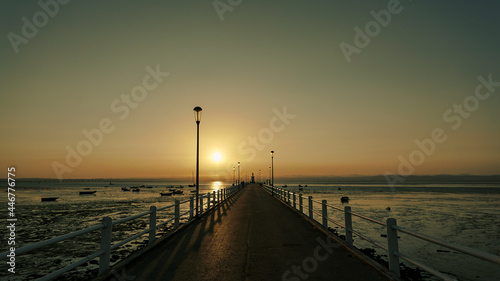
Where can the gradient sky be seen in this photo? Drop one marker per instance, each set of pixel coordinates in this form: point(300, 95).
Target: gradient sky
point(351, 118)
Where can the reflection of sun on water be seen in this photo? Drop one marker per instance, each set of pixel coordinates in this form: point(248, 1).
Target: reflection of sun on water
point(216, 185)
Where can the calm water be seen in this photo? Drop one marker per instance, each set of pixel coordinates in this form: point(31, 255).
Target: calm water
point(466, 214)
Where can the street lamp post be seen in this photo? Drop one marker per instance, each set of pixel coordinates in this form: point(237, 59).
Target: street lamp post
point(269, 180)
point(197, 118)
point(272, 169)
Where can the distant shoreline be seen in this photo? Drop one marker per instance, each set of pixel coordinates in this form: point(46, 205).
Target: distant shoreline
point(380, 179)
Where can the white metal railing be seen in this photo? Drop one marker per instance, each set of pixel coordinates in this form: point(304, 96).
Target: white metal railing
point(392, 231)
point(107, 224)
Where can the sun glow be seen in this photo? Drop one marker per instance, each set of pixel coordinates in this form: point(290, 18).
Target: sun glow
point(216, 157)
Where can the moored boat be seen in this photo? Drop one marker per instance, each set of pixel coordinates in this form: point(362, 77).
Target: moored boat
point(125, 189)
point(47, 199)
point(87, 192)
point(163, 193)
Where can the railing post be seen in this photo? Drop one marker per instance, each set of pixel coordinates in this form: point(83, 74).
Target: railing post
point(218, 196)
point(191, 207)
point(152, 224)
point(311, 208)
point(325, 214)
point(392, 241)
point(288, 195)
point(105, 244)
point(213, 201)
point(177, 214)
point(201, 203)
point(208, 201)
point(301, 207)
point(272, 191)
point(294, 201)
point(348, 225)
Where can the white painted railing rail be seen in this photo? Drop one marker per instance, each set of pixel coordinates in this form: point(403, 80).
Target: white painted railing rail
point(391, 227)
point(107, 224)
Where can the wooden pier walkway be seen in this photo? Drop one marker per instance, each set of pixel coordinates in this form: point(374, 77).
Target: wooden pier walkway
point(251, 236)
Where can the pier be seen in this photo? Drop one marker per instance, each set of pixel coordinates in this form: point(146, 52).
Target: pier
point(250, 236)
point(253, 232)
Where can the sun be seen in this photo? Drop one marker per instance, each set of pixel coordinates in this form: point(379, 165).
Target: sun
point(216, 157)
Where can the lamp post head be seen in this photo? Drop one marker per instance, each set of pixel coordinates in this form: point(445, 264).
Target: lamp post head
point(197, 114)
point(272, 153)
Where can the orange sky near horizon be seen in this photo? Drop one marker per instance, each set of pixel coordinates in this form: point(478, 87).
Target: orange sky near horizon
point(113, 97)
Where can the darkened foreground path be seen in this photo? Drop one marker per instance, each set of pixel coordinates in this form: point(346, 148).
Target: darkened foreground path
point(252, 236)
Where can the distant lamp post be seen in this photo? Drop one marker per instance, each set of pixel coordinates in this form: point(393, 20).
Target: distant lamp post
point(238, 173)
point(197, 118)
point(269, 179)
point(234, 176)
point(272, 168)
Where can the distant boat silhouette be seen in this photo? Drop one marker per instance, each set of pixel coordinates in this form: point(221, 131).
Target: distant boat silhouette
point(125, 189)
point(163, 193)
point(46, 199)
point(192, 185)
point(88, 192)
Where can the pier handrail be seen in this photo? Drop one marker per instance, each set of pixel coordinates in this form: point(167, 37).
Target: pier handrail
point(106, 245)
point(392, 232)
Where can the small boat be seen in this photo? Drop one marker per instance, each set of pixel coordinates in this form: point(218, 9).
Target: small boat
point(136, 189)
point(166, 193)
point(305, 185)
point(193, 191)
point(285, 185)
point(47, 199)
point(125, 189)
point(172, 189)
point(88, 192)
point(192, 185)
point(300, 185)
point(181, 186)
point(87, 188)
point(178, 191)
point(344, 199)
point(338, 188)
